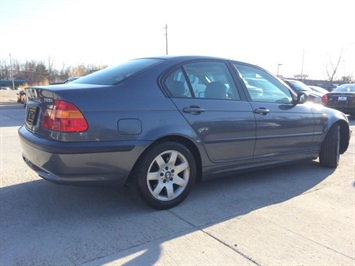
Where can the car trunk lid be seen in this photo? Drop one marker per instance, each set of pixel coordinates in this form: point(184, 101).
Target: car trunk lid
point(48, 114)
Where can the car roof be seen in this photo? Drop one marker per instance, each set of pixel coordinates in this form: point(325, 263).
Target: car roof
point(182, 58)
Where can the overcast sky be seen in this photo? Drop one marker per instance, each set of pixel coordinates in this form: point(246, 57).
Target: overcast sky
point(303, 35)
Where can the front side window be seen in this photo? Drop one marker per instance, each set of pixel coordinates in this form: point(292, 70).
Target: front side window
point(262, 86)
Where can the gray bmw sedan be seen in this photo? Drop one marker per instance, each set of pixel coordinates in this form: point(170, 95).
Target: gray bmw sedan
point(165, 123)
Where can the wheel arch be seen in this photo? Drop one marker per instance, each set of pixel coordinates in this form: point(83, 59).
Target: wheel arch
point(174, 138)
point(344, 136)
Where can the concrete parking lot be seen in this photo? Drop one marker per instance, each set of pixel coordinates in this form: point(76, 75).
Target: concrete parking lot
point(296, 215)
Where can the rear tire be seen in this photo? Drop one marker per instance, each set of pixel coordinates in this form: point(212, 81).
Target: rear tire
point(330, 149)
point(165, 175)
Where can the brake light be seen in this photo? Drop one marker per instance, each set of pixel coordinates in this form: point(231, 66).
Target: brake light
point(64, 117)
point(325, 98)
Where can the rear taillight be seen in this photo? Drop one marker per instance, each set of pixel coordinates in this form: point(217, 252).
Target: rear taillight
point(325, 98)
point(64, 117)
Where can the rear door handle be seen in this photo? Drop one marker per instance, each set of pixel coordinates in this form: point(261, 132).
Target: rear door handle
point(193, 109)
point(262, 111)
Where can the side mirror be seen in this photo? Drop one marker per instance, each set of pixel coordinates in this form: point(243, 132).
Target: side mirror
point(301, 97)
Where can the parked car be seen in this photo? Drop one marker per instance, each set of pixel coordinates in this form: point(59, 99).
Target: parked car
point(164, 123)
point(299, 86)
point(341, 98)
point(68, 80)
point(5, 89)
point(318, 89)
point(21, 97)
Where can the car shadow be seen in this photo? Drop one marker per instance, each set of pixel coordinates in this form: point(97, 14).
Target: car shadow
point(82, 224)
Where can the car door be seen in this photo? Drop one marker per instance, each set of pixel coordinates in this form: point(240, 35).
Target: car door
point(284, 130)
point(206, 95)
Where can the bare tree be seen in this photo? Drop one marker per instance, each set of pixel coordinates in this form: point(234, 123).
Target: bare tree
point(50, 69)
point(347, 79)
point(4, 70)
point(82, 70)
point(77, 71)
point(41, 73)
point(34, 73)
point(332, 68)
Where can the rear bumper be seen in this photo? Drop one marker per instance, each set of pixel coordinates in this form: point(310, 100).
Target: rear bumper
point(80, 162)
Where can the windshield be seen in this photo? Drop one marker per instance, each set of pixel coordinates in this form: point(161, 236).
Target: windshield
point(115, 74)
point(298, 86)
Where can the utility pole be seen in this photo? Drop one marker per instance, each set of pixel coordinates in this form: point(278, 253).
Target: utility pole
point(166, 39)
point(11, 73)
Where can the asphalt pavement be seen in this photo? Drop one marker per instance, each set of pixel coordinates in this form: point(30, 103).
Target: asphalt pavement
point(301, 214)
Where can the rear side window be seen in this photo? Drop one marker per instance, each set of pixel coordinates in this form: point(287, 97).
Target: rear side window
point(177, 85)
point(115, 74)
point(207, 79)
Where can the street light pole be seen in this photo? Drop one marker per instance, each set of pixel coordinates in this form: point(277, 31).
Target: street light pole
point(166, 39)
point(302, 64)
point(278, 68)
point(11, 73)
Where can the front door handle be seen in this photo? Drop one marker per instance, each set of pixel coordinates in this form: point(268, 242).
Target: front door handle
point(262, 111)
point(193, 109)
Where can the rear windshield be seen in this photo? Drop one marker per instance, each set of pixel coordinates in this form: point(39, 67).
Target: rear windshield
point(115, 74)
point(345, 88)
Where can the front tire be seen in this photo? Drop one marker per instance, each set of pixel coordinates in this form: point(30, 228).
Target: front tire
point(330, 150)
point(165, 175)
